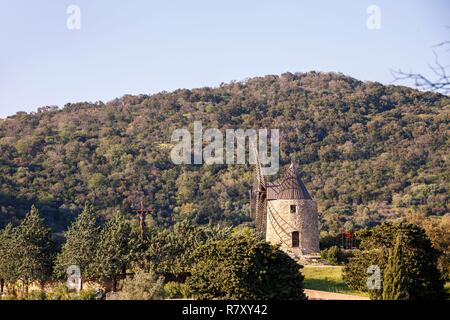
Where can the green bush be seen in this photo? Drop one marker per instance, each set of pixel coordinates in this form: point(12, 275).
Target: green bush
point(244, 267)
point(176, 290)
point(142, 285)
point(335, 255)
point(332, 255)
point(60, 292)
point(36, 295)
point(87, 294)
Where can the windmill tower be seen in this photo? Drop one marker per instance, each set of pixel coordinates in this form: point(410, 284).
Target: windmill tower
point(285, 213)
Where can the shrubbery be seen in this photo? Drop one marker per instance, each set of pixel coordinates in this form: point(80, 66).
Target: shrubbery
point(244, 267)
point(407, 261)
point(142, 285)
point(176, 290)
point(170, 250)
point(335, 255)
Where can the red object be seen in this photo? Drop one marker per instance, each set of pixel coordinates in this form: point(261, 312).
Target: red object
point(350, 238)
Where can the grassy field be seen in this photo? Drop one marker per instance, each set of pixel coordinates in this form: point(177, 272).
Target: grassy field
point(327, 278)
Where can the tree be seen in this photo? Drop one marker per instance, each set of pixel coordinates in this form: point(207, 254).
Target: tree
point(8, 258)
point(395, 286)
point(80, 246)
point(171, 250)
point(436, 229)
point(418, 261)
point(36, 250)
point(244, 267)
point(115, 249)
point(26, 252)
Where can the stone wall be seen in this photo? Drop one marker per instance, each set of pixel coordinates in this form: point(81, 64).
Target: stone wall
point(281, 223)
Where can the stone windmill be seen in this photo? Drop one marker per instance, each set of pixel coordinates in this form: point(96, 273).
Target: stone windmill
point(285, 213)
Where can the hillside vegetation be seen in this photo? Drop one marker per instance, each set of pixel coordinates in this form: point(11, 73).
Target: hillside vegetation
point(367, 151)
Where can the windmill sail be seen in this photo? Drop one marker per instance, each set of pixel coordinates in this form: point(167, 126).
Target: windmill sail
point(259, 196)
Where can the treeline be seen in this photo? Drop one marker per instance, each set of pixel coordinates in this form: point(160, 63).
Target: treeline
point(395, 261)
point(186, 261)
point(367, 151)
point(28, 253)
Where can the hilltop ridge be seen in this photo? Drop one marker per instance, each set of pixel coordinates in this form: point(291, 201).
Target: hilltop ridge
point(368, 151)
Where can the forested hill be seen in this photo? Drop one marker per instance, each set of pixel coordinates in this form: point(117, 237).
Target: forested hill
point(367, 151)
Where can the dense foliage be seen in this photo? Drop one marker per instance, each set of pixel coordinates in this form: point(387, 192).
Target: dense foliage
point(335, 255)
point(244, 267)
point(395, 285)
point(80, 246)
point(407, 261)
point(26, 252)
point(438, 230)
point(117, 249)
point(111, 255)
point(367, 151)
point(171, 251)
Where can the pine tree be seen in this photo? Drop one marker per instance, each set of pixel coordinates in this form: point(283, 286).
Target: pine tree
point(395, 286)
point(115, 249)
point(27, 252)
point(34, 249)
point(80, 246)
point(8, 259)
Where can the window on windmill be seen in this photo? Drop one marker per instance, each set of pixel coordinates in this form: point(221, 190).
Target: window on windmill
point(293, 209)
point(295, 239)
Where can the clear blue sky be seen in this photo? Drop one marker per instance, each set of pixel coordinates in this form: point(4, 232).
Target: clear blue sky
point(139, 46)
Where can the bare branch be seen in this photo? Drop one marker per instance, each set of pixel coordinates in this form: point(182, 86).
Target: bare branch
point(441, 82)
point(441, 44)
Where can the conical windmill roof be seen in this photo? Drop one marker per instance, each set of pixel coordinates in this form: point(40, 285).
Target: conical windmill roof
point(289, 187)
